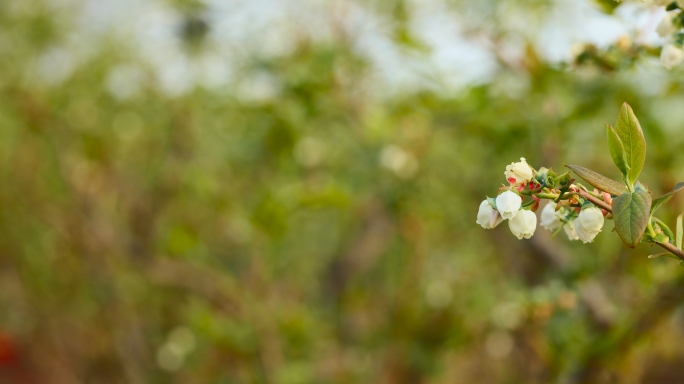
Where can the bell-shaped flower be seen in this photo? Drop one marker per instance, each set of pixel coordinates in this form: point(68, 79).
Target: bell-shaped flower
point(519, 173)
point(508, 204)
point(666, 26)
point(523, 224)
point(569, 229)
point(487, 216)
point(549, 217)
point(671, 56)
point(589, 223)
point(591, 219)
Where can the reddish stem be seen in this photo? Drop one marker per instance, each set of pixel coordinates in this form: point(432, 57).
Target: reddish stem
point(668, 246)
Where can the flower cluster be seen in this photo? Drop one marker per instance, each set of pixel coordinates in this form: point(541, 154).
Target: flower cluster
point(569, 210)
point(584, 225)
point(670, 28)
point(580, 212)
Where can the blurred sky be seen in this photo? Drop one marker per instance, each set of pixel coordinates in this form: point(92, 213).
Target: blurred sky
point(456, 39)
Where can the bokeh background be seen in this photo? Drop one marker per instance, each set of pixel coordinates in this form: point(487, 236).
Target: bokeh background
point(285, 191)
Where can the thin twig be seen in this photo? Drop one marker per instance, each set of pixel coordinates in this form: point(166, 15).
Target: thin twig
point(672, 249)
point(596, 201)
point(668, 246)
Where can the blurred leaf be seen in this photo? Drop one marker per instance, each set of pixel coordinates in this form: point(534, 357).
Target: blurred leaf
point(271, 216)
point(666, 197)
point(631, 213)
point(617, 150)
point(181, 240)
point(632, 137)
point(608, 6)
point(599, 181)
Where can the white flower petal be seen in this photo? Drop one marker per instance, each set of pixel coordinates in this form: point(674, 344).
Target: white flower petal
point(523, 224)
point(671, 56)
point(484, 213)
point(569, 229)
point(508, 204)
point(549, 217)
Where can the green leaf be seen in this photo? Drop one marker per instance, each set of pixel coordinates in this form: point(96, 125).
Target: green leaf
point(631, 215)
point(666, 197)
point(617, 151)
point(599, 181)
point(680, 231)
point(632, 137)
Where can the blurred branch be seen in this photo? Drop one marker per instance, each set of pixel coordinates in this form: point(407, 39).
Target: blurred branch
point(617, 344)
point(364, 248)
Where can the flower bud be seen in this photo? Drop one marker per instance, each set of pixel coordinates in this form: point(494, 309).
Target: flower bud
point(671, 56)
point(607, 198)
point(508, 204)
point(666, 26)
point(519, 173)
point(549, 218)
point(523, 224)
point(569, 229)
point(588, 224)
point(487, 216)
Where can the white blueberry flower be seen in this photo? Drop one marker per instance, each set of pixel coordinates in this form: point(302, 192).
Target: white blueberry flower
point(508, 204)
point(666, 26)
point(569, 229)
point(584, 236)
point(523, 224)
point(519, 173)
point(591, 219)
point(671, 56)
point(588, 224)
point(487, 216)
point(549, 217)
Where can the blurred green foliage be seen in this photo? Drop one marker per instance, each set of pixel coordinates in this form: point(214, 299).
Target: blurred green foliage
point(321, 233)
